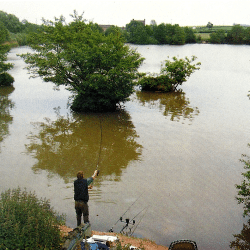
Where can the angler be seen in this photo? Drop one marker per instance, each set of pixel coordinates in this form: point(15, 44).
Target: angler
point(81, 196)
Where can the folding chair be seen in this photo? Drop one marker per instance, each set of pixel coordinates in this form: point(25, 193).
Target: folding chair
point(183, 245)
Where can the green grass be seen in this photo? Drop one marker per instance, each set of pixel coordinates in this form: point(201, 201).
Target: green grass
point(204, 36)
point(204, 29)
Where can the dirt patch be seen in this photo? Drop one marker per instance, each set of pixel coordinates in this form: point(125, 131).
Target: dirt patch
point(137, 242)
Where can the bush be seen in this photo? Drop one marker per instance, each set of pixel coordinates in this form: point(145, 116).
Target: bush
point(27, 222)
point(160, 83)
point(172, 74)
point(6, 79)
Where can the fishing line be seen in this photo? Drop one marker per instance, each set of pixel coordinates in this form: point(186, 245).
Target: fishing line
point(140, 212)
point(100, 149)
point(140, 220)
point(111, 229)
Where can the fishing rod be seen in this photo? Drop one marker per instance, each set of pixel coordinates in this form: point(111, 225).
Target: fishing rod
point(120, 219)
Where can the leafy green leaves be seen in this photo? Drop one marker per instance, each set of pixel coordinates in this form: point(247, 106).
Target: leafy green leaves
point(99, 70)
point(173, 73)
point(244, 187)
point(5, 78)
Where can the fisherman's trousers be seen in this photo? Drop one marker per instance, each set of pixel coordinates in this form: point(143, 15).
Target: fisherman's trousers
point(82, 208)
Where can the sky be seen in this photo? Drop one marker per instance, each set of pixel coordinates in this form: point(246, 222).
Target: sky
point(121, 12)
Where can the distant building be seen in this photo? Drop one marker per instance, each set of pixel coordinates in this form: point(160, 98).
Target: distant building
point(142, 21)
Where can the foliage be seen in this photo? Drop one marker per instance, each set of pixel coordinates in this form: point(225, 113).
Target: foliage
point(6, 79)
point(115, 30)
point(4, 33)
point(175, 35)
point(244, 187)
point(170, 34)
point(15, 31)
point(138, 33)
point(172, 74)
point(189, 35)
point(99, 70)
point(210, 25)
point(242, 241)
point(11, 22)
point(120, 247)
point(27, 222)
point(236, 35)
point(160, 33)
point(158, 83)
point(218, 37)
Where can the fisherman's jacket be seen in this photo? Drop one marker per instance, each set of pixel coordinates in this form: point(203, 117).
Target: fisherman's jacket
point(81, 190)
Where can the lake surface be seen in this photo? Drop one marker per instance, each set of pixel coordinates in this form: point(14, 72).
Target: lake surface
point(169, 160)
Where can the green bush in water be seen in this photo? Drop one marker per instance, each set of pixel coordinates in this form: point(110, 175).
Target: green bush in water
point(173, 74)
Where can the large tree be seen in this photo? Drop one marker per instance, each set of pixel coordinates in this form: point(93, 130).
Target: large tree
point(136, 32)
point(218, 36)
point(236, 35)
point(99, 70)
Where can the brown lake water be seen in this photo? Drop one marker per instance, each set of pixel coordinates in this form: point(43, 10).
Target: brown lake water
point(173, 157)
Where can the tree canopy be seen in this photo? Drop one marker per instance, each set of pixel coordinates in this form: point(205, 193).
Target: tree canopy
point(11, 22)
point(99, 70)
point(5, 78)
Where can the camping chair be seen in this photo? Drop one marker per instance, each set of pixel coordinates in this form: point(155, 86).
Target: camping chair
point(183, 245)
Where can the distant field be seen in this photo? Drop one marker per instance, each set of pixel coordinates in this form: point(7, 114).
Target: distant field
point(205, 32)
point(204, 29)
point(204, 36)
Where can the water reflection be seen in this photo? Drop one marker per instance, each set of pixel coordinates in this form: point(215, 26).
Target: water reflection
point(72, 143)
point(242, 240)
point(5, 106)
point(174, 104)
